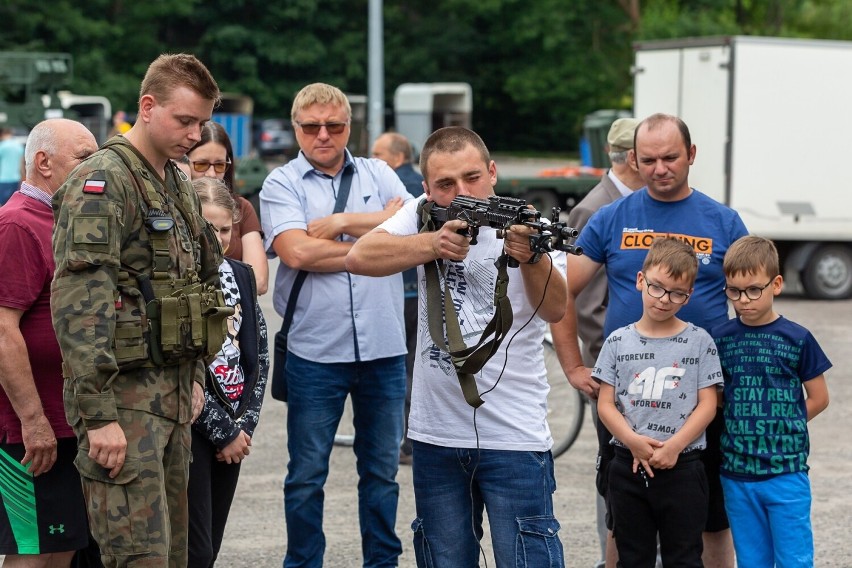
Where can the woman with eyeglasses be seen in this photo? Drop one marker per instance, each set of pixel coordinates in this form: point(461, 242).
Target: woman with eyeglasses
point(213, 156)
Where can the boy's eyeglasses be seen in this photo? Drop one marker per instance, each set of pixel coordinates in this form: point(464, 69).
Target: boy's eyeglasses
point(752, 292)
point(313, 128)
point(202, 166)
point(658, 292)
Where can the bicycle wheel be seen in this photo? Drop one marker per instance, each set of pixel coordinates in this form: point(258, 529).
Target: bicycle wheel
point(565, 405)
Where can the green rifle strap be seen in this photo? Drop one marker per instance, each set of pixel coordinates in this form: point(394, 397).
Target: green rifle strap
point(198, 332)
point(161, 260)
point(169, 321)
point(466, 360)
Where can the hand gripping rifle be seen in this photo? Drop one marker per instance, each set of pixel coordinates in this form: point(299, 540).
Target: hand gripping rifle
point(499, 213)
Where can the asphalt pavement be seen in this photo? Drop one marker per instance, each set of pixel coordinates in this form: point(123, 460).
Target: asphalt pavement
point(255, 536)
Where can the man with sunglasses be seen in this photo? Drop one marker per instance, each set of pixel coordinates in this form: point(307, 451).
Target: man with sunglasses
point(619, 236)
point(347, 335)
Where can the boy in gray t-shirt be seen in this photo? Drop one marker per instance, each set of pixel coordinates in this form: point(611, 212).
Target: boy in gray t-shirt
point(659, 379)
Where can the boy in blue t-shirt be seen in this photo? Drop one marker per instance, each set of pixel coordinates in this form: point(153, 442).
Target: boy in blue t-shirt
point(659, 380)
point(767, 360)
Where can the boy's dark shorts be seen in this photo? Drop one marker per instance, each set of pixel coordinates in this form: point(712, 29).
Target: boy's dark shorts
point(717, 519)
point(49, 511)
point(606, 453)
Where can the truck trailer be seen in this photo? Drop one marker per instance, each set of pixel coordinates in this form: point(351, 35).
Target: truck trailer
point(770, 118)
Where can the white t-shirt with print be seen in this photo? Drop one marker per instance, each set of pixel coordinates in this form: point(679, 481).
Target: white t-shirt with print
point(514, 413)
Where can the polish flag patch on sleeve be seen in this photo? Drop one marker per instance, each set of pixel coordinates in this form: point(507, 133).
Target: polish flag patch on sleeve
point(94, 186)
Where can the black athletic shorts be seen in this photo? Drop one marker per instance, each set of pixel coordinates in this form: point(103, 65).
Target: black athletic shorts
point(41, 514)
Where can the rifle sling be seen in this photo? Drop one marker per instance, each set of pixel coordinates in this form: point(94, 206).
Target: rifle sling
point(466, 360)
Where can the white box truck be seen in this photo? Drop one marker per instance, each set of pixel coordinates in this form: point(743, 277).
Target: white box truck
point(772, 122)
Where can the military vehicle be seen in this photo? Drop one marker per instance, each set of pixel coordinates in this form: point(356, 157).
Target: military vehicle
point(33, 87)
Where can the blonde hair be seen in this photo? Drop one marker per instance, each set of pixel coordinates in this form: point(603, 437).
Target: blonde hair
point(212, 191)
point(319, 94)
point(750, 254)
point(674, 256)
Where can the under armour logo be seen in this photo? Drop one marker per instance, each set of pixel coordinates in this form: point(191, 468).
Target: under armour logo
point(60, 529)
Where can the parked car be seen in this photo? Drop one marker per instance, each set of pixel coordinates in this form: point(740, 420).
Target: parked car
point(275, 138)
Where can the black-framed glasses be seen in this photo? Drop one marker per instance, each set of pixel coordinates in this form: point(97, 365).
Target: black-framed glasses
point(752, 292)
point(202, 166)
point(656, 291)
point(313, 128)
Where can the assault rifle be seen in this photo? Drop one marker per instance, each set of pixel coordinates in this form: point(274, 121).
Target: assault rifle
point(502, 212)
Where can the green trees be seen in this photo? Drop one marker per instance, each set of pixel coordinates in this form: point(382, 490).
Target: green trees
point(536, 68)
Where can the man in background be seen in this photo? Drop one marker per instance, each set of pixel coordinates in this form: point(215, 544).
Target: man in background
point(11, 164)
point(346, 337)
point(43, 520)
point(395, 149)
point(621, 180)
point(619, 236)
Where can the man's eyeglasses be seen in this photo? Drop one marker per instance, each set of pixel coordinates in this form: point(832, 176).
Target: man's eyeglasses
point(202, 166)
point(658, 292)
point(752, 292)
point(313, 128)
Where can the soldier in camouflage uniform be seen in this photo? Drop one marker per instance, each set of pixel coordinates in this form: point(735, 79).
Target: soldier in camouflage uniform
point(134, 303)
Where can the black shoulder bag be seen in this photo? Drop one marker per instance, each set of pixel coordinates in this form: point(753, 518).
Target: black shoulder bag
point(279, 377)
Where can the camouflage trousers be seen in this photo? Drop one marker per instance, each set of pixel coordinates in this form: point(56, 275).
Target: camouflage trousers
point(140, 518)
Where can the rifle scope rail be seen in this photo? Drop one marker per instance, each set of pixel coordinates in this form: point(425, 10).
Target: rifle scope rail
point(502, 212)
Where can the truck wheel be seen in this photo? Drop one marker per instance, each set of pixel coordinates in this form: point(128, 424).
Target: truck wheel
point(544, 200)
point(828, 273)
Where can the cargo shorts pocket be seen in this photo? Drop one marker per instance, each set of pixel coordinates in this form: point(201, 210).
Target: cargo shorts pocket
point(117, 508)
point(538, 544)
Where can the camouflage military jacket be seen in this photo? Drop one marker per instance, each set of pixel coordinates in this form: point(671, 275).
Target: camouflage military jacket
point(99, 239)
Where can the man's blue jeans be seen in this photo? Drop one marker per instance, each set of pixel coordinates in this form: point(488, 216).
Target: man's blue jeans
point(451, 488)
point(317, 393)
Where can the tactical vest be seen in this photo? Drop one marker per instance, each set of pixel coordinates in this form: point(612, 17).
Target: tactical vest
point(175, 319)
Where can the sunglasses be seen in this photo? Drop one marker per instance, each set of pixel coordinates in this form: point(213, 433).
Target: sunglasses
point(202, 166)
point(313, 128)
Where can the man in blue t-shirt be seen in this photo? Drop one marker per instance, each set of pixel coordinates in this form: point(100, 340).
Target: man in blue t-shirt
point(618, 237)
